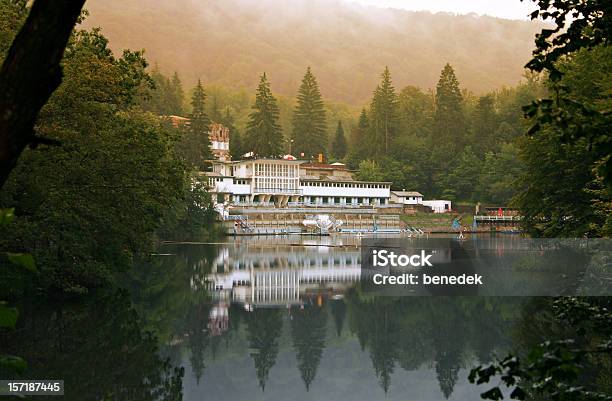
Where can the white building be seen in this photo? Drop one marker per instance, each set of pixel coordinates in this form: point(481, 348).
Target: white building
point(416, 198)
point(292, 183)
point(438, 206)
point(406, 197)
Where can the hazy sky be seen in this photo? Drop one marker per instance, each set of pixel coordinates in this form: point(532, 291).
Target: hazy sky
point(511, 9)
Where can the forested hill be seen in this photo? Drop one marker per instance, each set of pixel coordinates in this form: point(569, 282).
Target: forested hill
point(230, 42)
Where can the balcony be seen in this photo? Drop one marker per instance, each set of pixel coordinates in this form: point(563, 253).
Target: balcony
point(276, 191)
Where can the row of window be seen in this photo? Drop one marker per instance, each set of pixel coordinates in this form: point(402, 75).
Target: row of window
point(279, 184)
point(342, 184)
point(276, 170)
point(323, 200)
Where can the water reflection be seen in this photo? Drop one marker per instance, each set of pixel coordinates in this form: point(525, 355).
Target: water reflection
point(262, 319)
point(287, 317)
point(98, 348)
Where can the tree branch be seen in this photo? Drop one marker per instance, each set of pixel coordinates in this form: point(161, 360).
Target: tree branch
point(30, 73)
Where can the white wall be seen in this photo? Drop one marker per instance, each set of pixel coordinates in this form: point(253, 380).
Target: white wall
point(438, 206)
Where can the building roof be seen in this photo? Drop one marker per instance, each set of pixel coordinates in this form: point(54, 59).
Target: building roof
point(325, 166)
point(407, 193)
point(311, 178)
point(259, 159)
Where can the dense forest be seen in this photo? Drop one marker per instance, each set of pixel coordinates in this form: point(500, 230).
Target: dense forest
point(229, 43)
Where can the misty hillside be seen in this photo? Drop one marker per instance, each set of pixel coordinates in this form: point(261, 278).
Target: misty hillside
point(230, 42)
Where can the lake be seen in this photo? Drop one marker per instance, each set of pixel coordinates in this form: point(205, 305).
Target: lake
point(267, 318)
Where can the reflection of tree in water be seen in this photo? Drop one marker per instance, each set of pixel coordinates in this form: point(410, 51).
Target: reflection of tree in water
point(338, 310)
point(449, 331)
point(308, 333)
point(264, 330)
point(197, 337)
point(98, 347)
point(413, 331)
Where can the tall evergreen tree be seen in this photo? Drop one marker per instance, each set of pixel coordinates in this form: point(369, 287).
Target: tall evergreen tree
point(309, 125)
point(264, 135)
point(236, 148)
point(215, 111)
point(383, 116)
point(339, 145)
point(195, 145)
point(449, 120)
point(484, 126)
point(177, 96)
point(359, 149)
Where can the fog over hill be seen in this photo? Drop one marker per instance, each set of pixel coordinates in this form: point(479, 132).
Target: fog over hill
point(230, 42)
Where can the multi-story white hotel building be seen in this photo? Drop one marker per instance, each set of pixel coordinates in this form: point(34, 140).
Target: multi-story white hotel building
point(284, 183)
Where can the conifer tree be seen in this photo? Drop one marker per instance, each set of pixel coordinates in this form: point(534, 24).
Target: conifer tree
point(449, 119)
point(195, 144)
point(339, 144)
point(177, 95)
point(264, 136)
point(236, 148)
point(215, 112)
point(309, 125)
point(359, 149)
point(383, 116)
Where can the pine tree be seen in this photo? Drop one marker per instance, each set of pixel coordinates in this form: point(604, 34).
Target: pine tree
point(484, 127)
point(264, 136)
point(449, 119)
point(309, 125)
point(339, 144)
point(195, 144)
point(236, 148)
point(176, 95)
point(383, 116)
point(215, 112)
point(359, 150)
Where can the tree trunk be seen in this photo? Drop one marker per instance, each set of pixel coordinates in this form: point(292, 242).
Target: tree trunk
point(30, 74)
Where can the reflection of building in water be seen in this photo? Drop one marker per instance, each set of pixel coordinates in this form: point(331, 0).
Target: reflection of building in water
point(274, 276)
point(270, 277)
point(218, 319)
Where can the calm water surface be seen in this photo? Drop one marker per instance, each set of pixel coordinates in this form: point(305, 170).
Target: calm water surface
point(264, 318)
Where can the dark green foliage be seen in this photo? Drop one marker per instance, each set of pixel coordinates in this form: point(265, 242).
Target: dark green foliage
point(449, 121)
point(568, 363)
point(167, 96)
point(309, 132)
point(383, 117)
point(359, 148)
point(563, 191)
point(580, 28)
point(339, 146)
point(498, 181)
point(194, 145)
point(236, 145)
point(263, 134)
point(86, 207)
